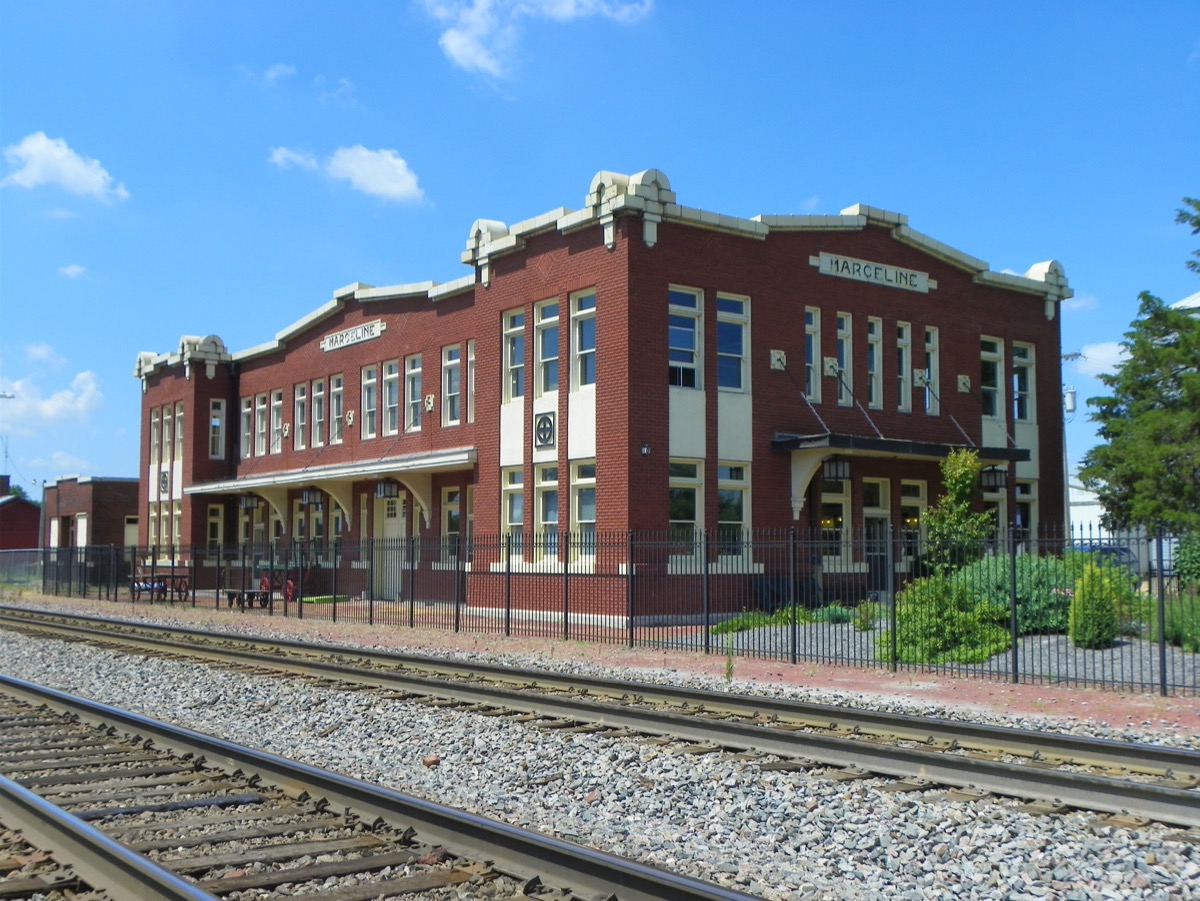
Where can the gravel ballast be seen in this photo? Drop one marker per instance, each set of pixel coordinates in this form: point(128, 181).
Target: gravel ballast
point(781, 835)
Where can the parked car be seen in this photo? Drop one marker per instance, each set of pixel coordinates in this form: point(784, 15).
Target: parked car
point(1114, 555)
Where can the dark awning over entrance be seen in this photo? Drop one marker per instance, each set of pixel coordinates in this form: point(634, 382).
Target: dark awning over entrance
point(892, 447)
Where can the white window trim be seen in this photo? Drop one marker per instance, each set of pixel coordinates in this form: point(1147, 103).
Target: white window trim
point(997, 357)
point(413, 400)
point(452, 372)
point(216, 429)
point(543, 363)
point(369, 401)
point(844, 353)
point(300, 416)
point(579, 316)
point(1027, 363)
point(277, 421)
point(742, 319)
point(319, 412)
point(471, 380)
point(390, 424)
point(514, 368)
point(583, 551)
point(695, 313)
point(260, 425)
point(247, 428)
point(337, 408)
point(813, 366)
point(933, 370)
point(904, 378)
point(874, 362)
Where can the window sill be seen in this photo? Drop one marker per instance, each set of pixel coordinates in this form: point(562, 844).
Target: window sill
point(581, 567)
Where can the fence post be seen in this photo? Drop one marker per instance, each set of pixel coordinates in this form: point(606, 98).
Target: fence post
point(705, 593)
point(566, 565)
point(300, 561)
point(629, 567)
point(508, 583)
point(334, 579)
point(1012, 602)
point(370, 580)
point(793, 591)
point(893, 639)
point(412, 581)
point(458, 581)
point(1162, 613)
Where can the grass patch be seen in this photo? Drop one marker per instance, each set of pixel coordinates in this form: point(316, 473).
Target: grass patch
point(756, 619)
point(325, 599)
point(833, 614)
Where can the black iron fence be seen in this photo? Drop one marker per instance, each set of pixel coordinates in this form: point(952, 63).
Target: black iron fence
point(1112, 610)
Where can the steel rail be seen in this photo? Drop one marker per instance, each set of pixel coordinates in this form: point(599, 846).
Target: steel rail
point(1177, 763)
point(99, 860)
point(510, 849)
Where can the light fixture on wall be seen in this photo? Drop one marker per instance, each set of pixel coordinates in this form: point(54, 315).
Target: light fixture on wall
point(645, 448)
point(386, 488)
point(310, 497)
point(248, 501)
point(994, 478)
point(836, 470)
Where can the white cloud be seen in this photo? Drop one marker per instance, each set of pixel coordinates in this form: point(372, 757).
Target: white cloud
point(72, 270)
point(285, 158)
point(43, 353)
point(810, 204)
point(62, 463)
point(27, 410)
point(1080, 302)
point(278, 71)
point(342, 94)
point(49, 161)
point(481, 34)
point(380, 173)
point(1100, 358)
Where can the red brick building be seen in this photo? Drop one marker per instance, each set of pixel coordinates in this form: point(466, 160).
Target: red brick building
point(83, 511)
point(18, 519)
point(632, 366)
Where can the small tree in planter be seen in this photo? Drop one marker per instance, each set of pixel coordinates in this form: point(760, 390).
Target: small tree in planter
point(1093, 620)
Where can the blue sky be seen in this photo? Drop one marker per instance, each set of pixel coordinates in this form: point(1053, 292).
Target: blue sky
point(172, 168)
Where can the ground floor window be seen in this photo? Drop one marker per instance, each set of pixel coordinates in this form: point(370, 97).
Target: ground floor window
point(547, 511)
point(512, 488)
point(583, 506)
point(835, 519)
point(451, 523)
point(733, 486)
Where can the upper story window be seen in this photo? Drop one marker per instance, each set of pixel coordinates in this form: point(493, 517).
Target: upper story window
point(546, 319)
point(166, 434)
point(514, 355)
point(991, 361)
point(247, 426)
point(277, 421)
point(812, 354)
point(300, 416)
point(452, 385)
point(683, 338)
point(336, 408)
point(318, 409)
point(933, 371)
point(845, 359)
point(391, 397)
point(583, 339)
point(412, 393)
point(874, 362)
point(903, 366)
point(216, 429)
point(260, 425)
point(370, 401)
point(471, 381)
point(155, 434)
point(1022, 383)
point(733, 327)
point(179, 431)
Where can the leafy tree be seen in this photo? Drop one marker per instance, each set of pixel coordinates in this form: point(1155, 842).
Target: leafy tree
point(1148, 470)
point(957, 535)
point(1191, 217)
point(18, 491)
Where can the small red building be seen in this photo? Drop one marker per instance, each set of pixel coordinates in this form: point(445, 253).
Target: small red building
point(18, 519)
point(83, 511)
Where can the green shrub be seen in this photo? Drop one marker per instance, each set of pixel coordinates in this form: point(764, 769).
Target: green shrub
point(865, 615)
point(832, 614)
point(1182, 620)
point(1044, 587)
point(1187, 560)
point(940, 620)
point(756, 619)
point(1093, 620)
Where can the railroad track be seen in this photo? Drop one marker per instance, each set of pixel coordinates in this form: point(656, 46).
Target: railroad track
point(219, 819)
point(1055, 773)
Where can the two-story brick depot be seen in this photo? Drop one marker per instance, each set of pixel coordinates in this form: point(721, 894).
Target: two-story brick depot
point(633, 367)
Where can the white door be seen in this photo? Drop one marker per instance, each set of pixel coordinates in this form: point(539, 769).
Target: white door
point(389, 548)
